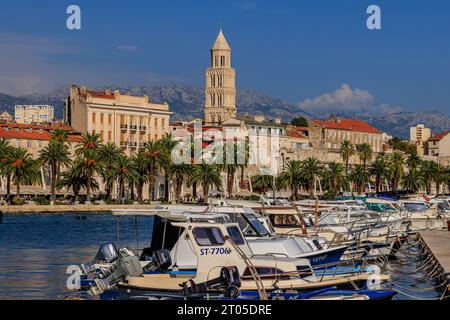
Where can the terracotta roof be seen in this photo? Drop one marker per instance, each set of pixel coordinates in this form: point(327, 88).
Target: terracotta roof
point(347, 124)
point(439, 136)
point(101, 94)
point(296, 134)
point(33, 132)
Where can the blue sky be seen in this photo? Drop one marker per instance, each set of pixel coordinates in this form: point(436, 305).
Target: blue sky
point(314, 53)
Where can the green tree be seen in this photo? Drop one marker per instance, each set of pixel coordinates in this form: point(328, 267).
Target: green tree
point(263, 182)
point(413, 180)
point(180, 172)
point(140, 165)
point(89, 165)
point(108, 155)
point(206, 175)
point(154, 161)
point(396, 169)
point(5, 157)
point(23, 168)
point(413, 160)
point(300, 122)
point(379, 170)
point(71, 179)
point(347, 151)
point(311, 170)
point(55, 155)
point(365, 153)
point(291, 177)
point(123, 172)
point(167, 144)
point(359, 176)
point(334, 178)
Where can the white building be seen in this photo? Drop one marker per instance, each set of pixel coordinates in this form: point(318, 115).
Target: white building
point(27, 114)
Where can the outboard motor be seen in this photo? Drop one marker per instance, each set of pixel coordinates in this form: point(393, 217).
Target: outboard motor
point(126, 265)
point(107, 253)
point(229, 282)
point(160, 261)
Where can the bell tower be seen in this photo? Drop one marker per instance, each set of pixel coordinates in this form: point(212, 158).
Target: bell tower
point(220, 93)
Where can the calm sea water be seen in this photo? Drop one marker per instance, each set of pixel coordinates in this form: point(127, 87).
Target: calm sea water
point(35, 251)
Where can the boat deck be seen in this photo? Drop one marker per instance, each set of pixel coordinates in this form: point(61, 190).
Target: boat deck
point(439, 244)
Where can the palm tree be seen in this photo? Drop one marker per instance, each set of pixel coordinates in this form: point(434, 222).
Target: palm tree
point(379, 171)
point(108, 155)
point(446, 177)
point(89, 141)
point(5, 155)
point(413, 161)
point(154, 161)
point(206, 175)
point(123, 171)
point(335, 179)
point(413, 180)
point(365, 153)
point(72, 179)
point(311, 169)
point(291, 177)
point(60, 135)
point(347, 151)
point(54, 155)
point(359, 177)
point(140, 165)
point(167, 144)
point(88, 165)
point(428, 172)
point(23, 168)
point(263, 182)
point(180, 172)
point(396, 169)
point(230, 169)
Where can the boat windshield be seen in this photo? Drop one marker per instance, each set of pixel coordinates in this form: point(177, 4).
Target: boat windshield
point(256, 224)
point(284, 221)
point(415, 207)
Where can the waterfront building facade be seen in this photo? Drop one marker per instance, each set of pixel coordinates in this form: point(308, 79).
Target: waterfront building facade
point(127, 121)
point(36, 114)
point(220, 91)
point(330, 134)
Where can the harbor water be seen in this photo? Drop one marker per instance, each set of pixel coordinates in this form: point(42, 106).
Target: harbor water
point(37, 249)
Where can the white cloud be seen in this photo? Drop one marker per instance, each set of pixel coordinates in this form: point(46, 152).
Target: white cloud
point(347, 100)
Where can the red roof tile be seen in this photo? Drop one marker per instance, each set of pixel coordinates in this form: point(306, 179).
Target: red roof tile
point(439, 136)
point(347, 124)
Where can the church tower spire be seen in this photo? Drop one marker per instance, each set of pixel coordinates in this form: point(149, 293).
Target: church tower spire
point(220, 92)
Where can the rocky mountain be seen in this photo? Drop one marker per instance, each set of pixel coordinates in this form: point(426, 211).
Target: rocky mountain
point(187, 102)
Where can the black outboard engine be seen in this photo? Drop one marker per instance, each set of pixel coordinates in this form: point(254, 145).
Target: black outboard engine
point(107, 253)
point(228, 282)
point(160, 261)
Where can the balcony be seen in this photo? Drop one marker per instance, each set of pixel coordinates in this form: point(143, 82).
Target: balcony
point(123, 144)
point(133, 127)
point(142, 128)
point(133, 145)
point(124, 127)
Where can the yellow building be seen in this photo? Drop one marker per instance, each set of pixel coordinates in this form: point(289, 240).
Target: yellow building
point(124, 120)
point(28, 114)
point(419, 135)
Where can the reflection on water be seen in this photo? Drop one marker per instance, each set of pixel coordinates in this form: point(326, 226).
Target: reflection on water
point(35, 250)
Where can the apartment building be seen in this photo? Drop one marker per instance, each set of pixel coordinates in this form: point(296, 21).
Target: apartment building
point(36, 114)
point(125, 120)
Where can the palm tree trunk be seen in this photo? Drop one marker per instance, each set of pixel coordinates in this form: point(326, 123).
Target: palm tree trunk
point(18, 187)
point(205, 192)
point(139, 191)
point(230, 180)
point(8, 186)
point(53, 187)
point(194, 190)
point(88, 186)
point(166, 188)
point(179, 185)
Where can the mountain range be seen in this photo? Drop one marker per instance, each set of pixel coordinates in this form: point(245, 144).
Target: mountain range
point(187, 102)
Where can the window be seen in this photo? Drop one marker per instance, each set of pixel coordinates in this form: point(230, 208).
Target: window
point(236, 235)
point(109, 136)
point(208, 236)
point(284, 221)
point(94, 117)
point(29, 144)
point(109, 118)
point(102, 118)
point(265, 273)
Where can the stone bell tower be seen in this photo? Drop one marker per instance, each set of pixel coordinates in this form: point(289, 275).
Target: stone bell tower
point(220, 93)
